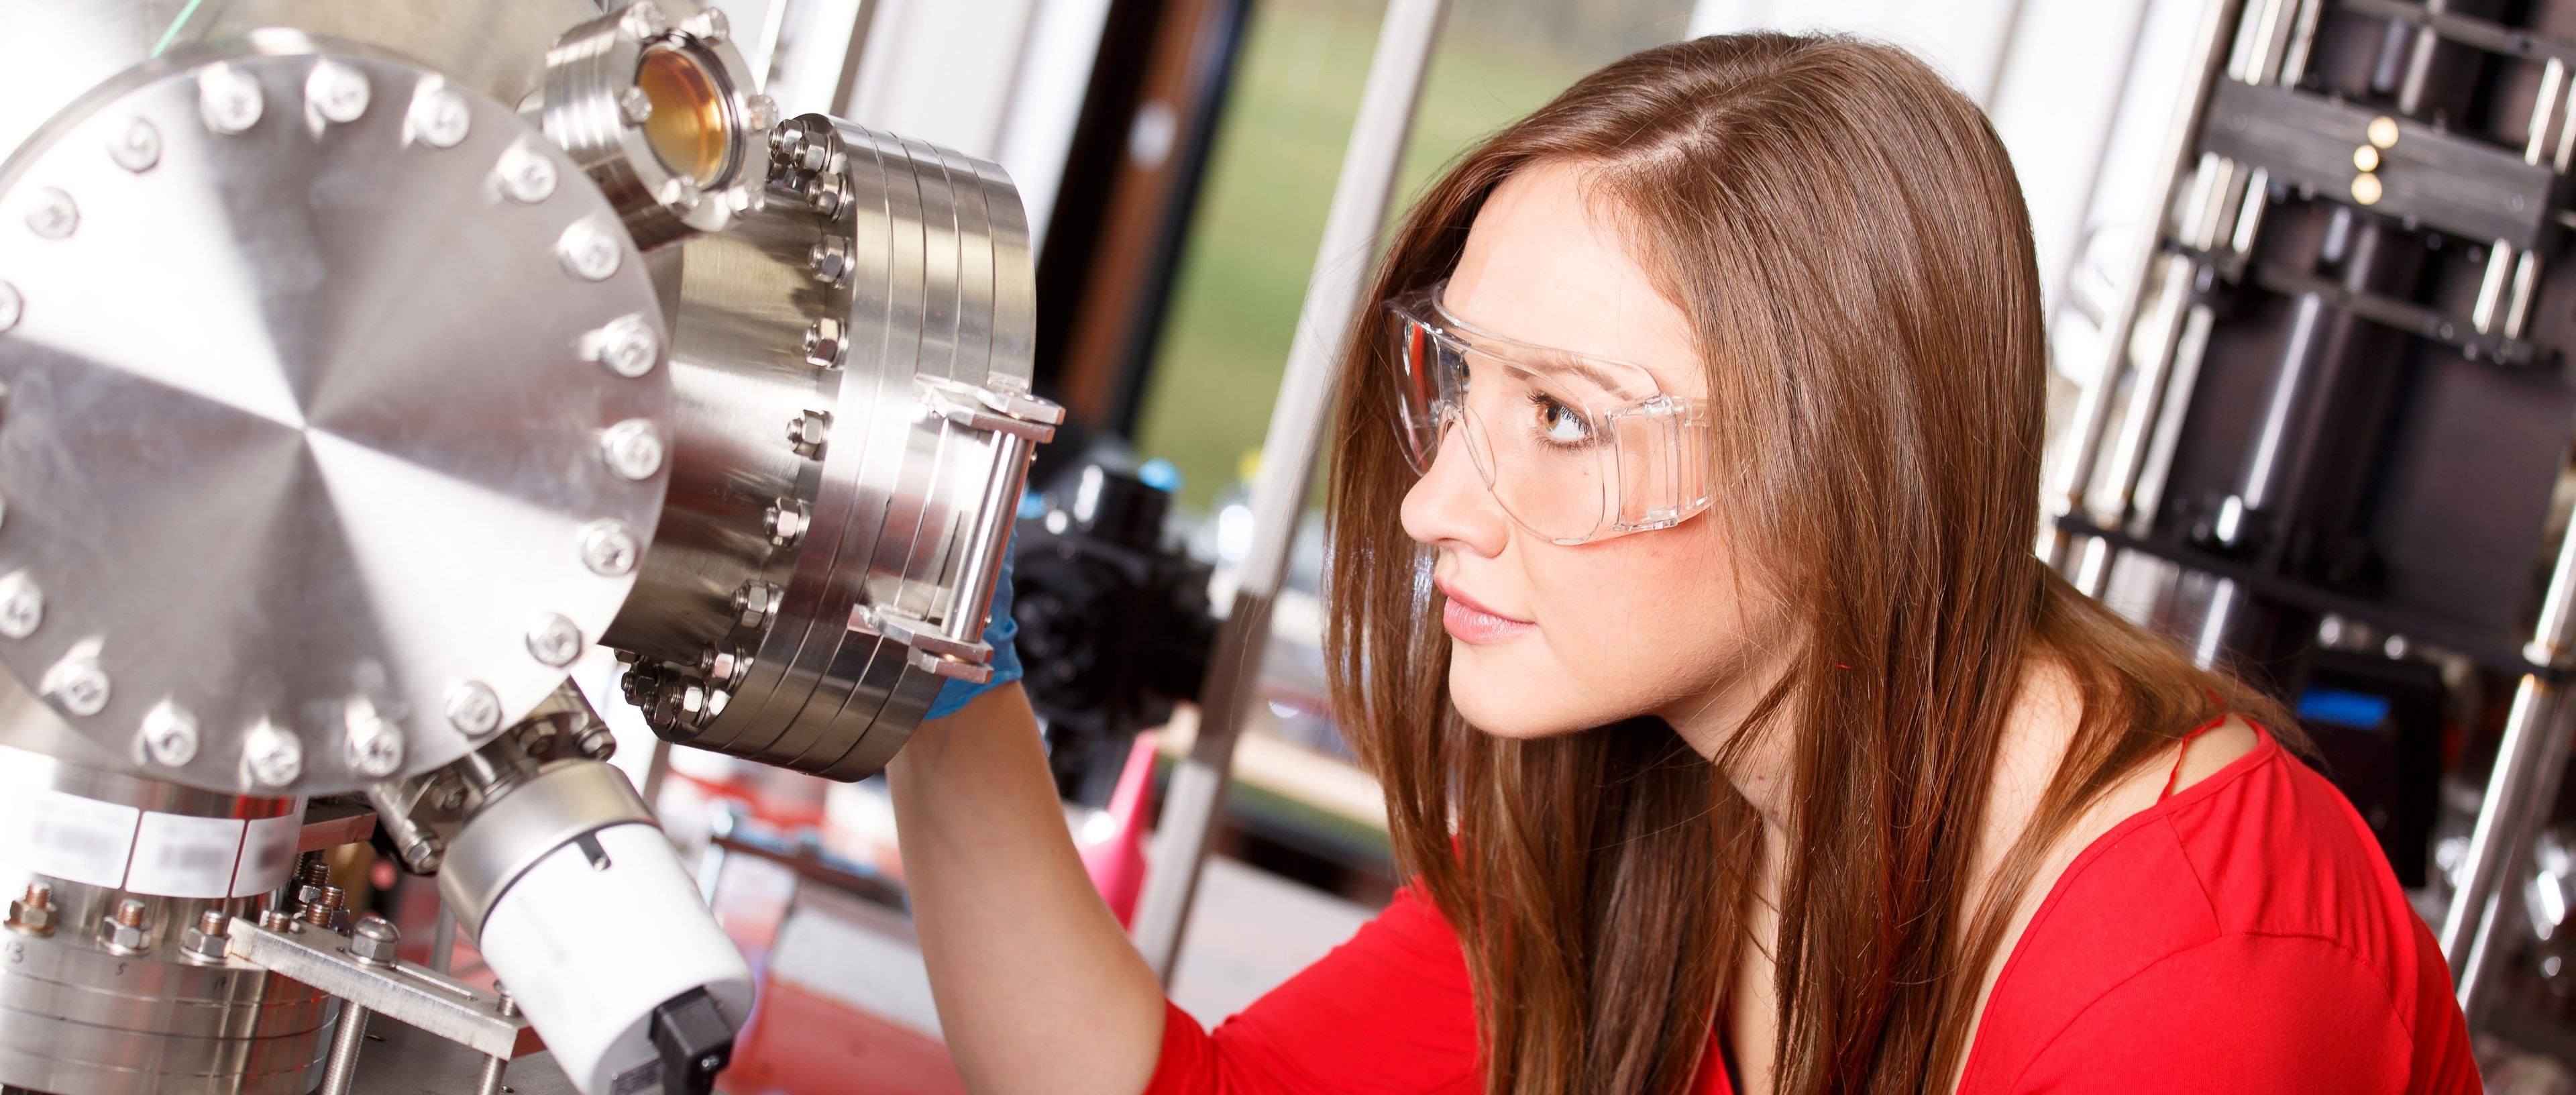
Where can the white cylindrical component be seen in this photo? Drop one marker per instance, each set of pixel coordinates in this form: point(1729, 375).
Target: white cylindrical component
point(589, 950)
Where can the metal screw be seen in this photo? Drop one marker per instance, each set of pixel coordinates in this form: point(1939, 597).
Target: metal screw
point(423, 855)
point(34, 913)
point(710, 26)
point(375, 744)
point(506, 1006)
point(609, 549)
point(587, 251)
point(785, 522)
point(627, 346)
point(137, 148)
point(336, 92)
point(633, 449)
point(743, 199)
point(645, 20)
point(205, 940)
point(554, 640)
point(2382, 131)
point(830, 260)
point(635, 105)
point(314, 871)
point(374, 940)
point(318, 913)
point(11, 306)
point(807, 433)
point(22, 605)
point(754, 600)
point(763, 113)
point(527, 175)
point(824, 343)
point(678, 194)
point(596, 742)
point(123, 931)
point(52, 214)
point(170, 735)
point(813, 155)
point(229, 99)
point(473, 708)
point(275, 920)
point(827, 192)
point(273, 756)
point(441, 118)
point(79, 684)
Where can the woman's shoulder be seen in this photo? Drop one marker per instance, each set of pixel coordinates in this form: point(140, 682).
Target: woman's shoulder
point(2253, 891)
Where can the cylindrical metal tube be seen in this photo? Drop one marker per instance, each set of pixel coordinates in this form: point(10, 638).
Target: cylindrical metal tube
point(341, 1070)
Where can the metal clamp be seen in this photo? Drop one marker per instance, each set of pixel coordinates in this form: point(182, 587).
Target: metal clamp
point(525, 824)
point(415, 995)
point(992, 410)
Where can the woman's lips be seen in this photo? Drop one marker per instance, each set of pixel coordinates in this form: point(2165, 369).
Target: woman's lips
point(1469, 622)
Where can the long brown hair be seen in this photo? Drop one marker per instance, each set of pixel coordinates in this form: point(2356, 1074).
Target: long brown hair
point(1844, 231)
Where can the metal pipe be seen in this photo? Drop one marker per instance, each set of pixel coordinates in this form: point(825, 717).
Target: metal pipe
point(442, 940)
point(1351, 229)
point(2093, 406)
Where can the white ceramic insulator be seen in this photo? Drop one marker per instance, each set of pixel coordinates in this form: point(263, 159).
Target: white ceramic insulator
point(590, 952)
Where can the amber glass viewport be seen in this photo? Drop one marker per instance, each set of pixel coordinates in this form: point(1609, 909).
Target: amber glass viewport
point(689, 130)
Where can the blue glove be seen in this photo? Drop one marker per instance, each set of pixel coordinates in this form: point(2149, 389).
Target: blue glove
point(955, 694)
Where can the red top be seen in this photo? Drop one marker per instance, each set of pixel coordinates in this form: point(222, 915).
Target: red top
point(2242, 936)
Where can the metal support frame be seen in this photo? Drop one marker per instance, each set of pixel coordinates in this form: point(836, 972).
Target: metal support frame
point(1351, 230)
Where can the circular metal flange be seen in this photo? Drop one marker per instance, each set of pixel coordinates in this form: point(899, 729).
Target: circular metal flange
point(305, 437)
point(654, 101)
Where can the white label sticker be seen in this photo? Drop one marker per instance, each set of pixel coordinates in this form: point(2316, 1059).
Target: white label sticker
point(268, 851)
point(78, 839)
point(180, 856)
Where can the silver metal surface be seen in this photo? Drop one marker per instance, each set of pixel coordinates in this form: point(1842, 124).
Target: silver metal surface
point(518, 828)
point(1351, 230)
point(403, 1061)
point(278, 501)
point(593, 106)
point(406, 993)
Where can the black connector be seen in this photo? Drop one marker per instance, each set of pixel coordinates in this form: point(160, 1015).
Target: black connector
point(694, 1040)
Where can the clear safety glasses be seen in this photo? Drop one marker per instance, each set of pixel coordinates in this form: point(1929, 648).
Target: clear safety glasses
point(1575, 448)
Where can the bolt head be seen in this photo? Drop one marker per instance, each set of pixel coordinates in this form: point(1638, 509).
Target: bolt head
point(22, 605)
point(528, 176)
point(336, 91)
point(80, 684)
point(170, 735)
point(752, 599)
point(273, 757)
point(123, 938)
point(375, 744)
point(229, 99)
point(645, 20)
point(710, 26)
point(52, 214)
point(137, 148)
point(628, 346)
point(440, 118)
point(555, 640)
point(785, 523)
point(12, 306)
point(205, 940)
point(374, 939)
point(609, 549)
point(807, 432)
point(635, 105)
point(588, 251)
point(828, 260)
point(763, 113)
point(34, 914)
point(633, 449)
point(473, 708)
point(679, 195)
point(825, 343)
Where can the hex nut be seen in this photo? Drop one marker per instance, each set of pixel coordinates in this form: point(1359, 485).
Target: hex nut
point(825, 342)
point(204, 942)
point(374, 940)
point(785, 523)
point(32, 918)
point(807, 432)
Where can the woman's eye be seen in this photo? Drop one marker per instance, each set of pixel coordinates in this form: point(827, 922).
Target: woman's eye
point(1561, 423)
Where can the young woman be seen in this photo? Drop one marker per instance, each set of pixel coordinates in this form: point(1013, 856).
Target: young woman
point(1682, 597)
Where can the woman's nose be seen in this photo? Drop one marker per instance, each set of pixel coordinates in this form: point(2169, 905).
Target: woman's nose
point(1451, 505)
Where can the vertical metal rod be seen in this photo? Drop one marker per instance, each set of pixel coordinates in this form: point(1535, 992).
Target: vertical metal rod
point(341, 1070)
point(2093, 406)
point(488, 1081)
point(1351, 230)
point(442, 939)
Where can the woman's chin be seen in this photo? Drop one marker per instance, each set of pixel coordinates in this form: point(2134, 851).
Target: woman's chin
point(1511, 705)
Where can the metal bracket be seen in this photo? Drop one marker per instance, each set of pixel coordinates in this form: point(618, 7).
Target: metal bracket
point(992, 410)
point(415, 995)
point(933, 650)
point(2417, 173)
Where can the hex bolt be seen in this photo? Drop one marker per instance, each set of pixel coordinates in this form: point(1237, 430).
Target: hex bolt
point(635, 105)
point(825, 343)
point(830, 260)
point(633, 449)
point(814, 156)
point(679, 195)
point(710, 26)
point(373, 940)
point(588, 251)
point(645, 20)
point(34, 913)
point(336, 91)
point(627, 346)
point(273, 757)
point(527, 175)
point(52, 214)
point(609, 549)
point(22, 605)
point(170, 735)
point(440, 118)
point(473, 708)
point(276, 920)
point(785, 522)
point(754, 600)
point(763, 113)
point(596, 742)
point(314, 871)
point(206, 940)
point(718, 664)
point(229, 99)
point(807, 433)
point(12, 306)
point(80, 684)
point(555, 640)
point(375, 744)
point(123, 931)
point(423, 855)
point(827, 192)
point(319, 913)
point(137, 147)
